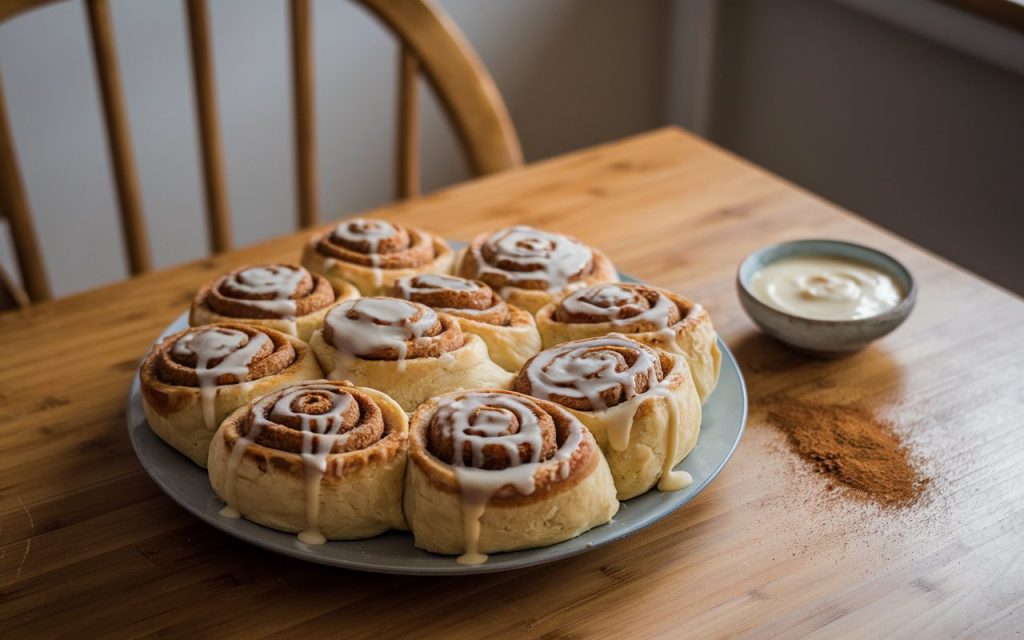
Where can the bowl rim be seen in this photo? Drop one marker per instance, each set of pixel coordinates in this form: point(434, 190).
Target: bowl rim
point(901, 310)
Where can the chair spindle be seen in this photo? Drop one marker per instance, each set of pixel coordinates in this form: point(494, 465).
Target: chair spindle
point(211, 147)
point(408, 173)
point(305, 143)
point(126, 178)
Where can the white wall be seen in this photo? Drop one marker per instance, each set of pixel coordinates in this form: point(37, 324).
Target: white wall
point(922, 136)
point(573, 72)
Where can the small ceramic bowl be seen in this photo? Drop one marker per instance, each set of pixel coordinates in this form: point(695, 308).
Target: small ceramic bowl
point(824, 338)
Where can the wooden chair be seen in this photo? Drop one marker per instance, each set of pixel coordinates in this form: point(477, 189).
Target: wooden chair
point(430, 44)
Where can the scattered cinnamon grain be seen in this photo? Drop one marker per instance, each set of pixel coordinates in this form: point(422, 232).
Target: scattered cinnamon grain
point(853, 448)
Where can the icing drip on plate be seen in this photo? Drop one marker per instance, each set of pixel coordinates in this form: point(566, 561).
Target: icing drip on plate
point(496, 440)
point(320, 433)
point(325, 417)
point(612, 376)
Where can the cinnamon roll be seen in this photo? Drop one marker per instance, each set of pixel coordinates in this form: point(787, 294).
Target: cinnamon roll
point(529, 267)
point(372, 254)
point(404, 349)
point(496, 471)
point(284, 297)
point(323, 459)
point(639, 402)
point(650, 315)
point(193, 379)
point(509, 332)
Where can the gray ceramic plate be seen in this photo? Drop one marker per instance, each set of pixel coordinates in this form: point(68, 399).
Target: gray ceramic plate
point(393, 552)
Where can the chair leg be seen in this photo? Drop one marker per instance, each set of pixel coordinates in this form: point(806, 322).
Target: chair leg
point(12, 296)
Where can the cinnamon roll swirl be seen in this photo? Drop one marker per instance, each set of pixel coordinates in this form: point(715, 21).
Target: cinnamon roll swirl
point(639, 402)
point(529, 267)
point(192, 380)
point(509, 332)
point(650, 315)
point(496, 471)
point(323, 459)
point(284, 297)
point(404, 349)
point(372, 254)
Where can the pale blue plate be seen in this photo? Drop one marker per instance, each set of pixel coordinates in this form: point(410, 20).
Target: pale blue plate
point(724, 416)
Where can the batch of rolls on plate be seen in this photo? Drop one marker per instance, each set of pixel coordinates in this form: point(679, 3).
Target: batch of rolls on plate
point(505, 397)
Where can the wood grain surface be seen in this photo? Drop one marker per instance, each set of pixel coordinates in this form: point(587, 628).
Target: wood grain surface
point(90, 547)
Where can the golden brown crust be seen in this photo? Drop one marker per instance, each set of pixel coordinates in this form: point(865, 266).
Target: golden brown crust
point(169, 365)
point(441, 444)
point(234, 295)
point(471, 299)
point(375, 243)
point(186, 415)
point(642, 309)
point(163, 398)
point(630, 305)
point(509, 332)
point(636, 443)
point(435, 334)
point(663, 320)
point(358, 263)
point(492, 258)
point(375, 437)
point(625, 357)
point(432, 457)
point(517, 318)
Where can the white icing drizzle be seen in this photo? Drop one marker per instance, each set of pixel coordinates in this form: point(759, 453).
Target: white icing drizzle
point(279, 281)
point(406, 287)
point(543, 255)
point(366, 325)
point(320, 433)
point(671, 480)
point(212, 344)
point(582, 370)
point(494, 413)
point(372, 232)
point(362, 230)
point(605, 301)
point(432, 281)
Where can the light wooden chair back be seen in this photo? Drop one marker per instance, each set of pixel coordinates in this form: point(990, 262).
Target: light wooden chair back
point(430, 44)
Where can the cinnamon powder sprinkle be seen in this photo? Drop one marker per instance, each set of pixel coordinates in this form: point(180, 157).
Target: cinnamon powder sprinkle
point(853, 448)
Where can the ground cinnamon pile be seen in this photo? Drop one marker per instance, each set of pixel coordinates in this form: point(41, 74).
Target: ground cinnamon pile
point(853, 447)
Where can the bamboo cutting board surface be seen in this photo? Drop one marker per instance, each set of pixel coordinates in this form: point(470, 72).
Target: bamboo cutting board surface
point(90, 547)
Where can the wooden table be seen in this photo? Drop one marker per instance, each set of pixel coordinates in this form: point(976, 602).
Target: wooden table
point(91, 547)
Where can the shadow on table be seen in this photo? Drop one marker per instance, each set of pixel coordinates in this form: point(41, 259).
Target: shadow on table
point(771, 370)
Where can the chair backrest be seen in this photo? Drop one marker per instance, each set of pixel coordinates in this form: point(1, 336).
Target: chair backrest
point(430, 43)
